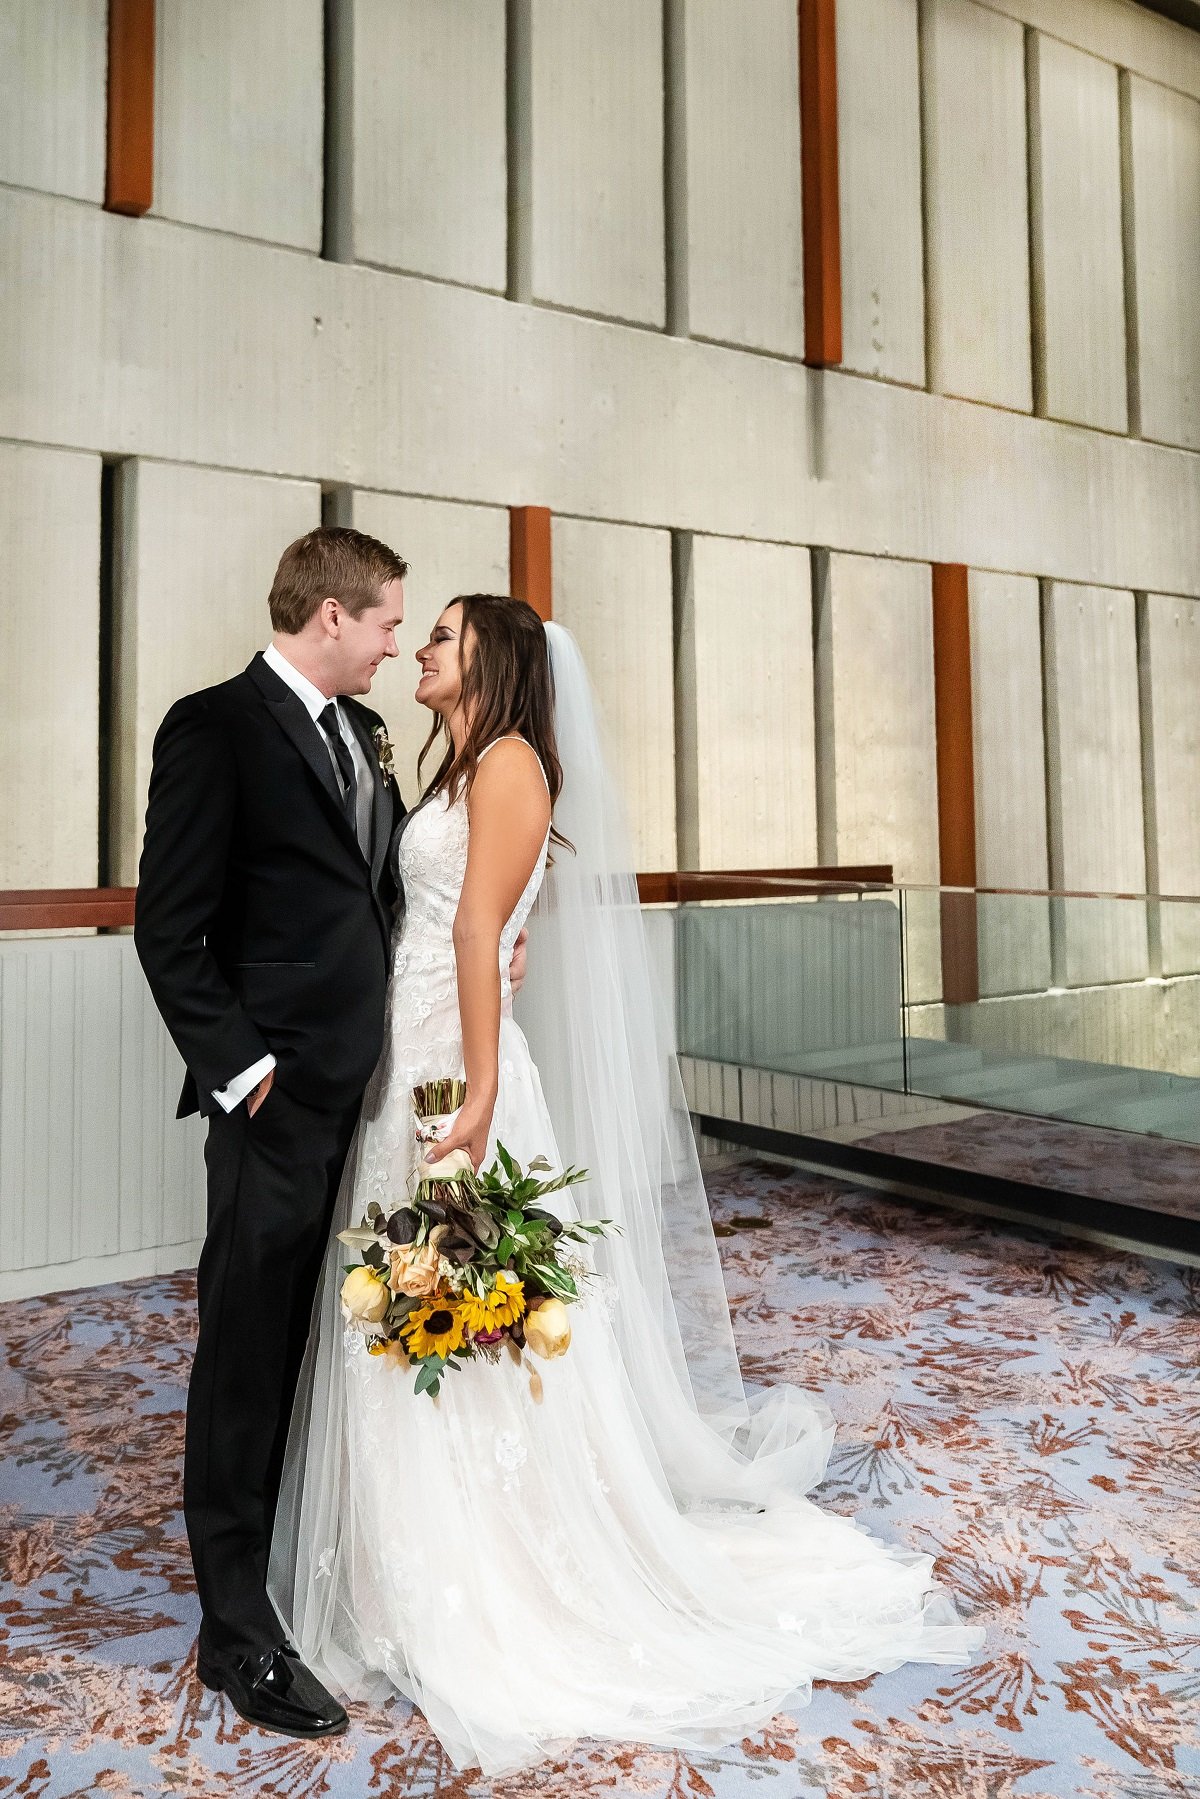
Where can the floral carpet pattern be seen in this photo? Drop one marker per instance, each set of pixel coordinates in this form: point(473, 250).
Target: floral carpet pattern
point(1026, 1409)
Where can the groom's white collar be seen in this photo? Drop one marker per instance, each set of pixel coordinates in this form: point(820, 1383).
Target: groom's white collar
point(314, 700)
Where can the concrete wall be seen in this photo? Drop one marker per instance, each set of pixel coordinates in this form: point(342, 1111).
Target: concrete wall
point(240, 116)
point(1010, 781)
point(1169, 660)
point(1162, 152)
point(612, 589)
point(879, 174)
point(52, 95)
point(877, 761)
point(50, 668)
point(1075, 189)
point(196, 551)
point(595, 129)
point(501, 171)
point(738, 259)
point(976, 193)
point(428, 147)
point(1094, 783)
point(450, 549)
point(744, 678)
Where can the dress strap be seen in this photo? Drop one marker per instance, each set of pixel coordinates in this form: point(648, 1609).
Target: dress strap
point(513, 737)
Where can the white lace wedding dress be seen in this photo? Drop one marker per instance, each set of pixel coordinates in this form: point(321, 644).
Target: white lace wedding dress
point(522, 1571)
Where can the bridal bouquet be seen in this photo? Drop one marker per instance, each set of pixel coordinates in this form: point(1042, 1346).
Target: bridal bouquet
point(471, 1266)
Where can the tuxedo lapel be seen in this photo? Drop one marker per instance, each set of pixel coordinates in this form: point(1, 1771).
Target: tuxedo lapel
point(381, 800)
point(292, 717)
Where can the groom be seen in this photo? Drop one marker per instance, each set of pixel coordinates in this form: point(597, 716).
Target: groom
point(264, 914)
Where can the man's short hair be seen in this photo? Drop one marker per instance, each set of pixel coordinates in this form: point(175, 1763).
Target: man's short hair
point(332, 562)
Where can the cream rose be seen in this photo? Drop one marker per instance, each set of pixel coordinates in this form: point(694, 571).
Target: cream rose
point(365, 1297)
point(413, 1271)
point(548, 1329)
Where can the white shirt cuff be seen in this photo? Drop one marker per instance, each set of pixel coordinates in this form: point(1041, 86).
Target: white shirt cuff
point(242, 1084)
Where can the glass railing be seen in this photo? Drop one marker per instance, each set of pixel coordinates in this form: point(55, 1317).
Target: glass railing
point(1076, 1007)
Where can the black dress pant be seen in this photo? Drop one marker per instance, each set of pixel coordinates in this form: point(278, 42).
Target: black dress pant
point(272, 1183)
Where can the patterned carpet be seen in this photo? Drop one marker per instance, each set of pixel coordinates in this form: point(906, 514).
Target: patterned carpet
point(1029, 1410)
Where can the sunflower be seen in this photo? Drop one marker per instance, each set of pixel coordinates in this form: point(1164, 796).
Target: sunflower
point(433, 1329)
point(502, 1304)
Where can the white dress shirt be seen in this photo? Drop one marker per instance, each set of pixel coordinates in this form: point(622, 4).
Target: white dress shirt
point(315, 703)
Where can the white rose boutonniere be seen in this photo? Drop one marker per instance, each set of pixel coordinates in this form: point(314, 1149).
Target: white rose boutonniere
point(383, 749)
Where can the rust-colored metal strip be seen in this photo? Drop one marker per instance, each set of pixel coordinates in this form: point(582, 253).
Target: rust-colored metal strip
point(66, 908)
point(819, 183)
point(129, 179)
point(529, 557)
point(955, 781)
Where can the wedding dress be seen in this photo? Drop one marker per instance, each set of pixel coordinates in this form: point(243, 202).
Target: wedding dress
point(633, 1557)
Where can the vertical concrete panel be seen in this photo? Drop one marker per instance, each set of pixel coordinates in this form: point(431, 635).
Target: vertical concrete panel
point(239, 108)
point(1010, 780)
point(450, 549)
point(53, 55)
point(745, 674)
point(1162, 175)
point(876, 746)
point(196, 554)
point(612, 589)
point(879, 172)
point(1170, 674)
point(1094, 781)
point(741, 100)
point(596, 130)
point(430, 169)
point(49, 667)
point(976, 197)
point(1078, 269)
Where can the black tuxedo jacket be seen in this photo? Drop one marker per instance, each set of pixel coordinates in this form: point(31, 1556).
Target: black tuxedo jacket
point(260, 924)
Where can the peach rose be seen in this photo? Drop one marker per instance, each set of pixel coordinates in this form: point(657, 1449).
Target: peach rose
point(413, 1271)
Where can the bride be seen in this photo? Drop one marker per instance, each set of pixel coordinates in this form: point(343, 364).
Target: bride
point(633, 1556)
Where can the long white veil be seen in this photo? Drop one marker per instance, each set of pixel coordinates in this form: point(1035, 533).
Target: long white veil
point(599, 1028)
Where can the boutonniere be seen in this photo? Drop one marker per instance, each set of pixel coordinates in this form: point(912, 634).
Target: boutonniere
point(383, 749)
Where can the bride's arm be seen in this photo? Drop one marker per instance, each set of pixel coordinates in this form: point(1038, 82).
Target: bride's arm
point(509, 810)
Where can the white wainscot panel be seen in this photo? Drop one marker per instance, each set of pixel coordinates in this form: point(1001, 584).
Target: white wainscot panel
point(1010, 781)
point(53, 58)
point(430, 165)
point(1078, 262)
point(973, 63)
point(450, 549)
point(1163, 174)
point(879, 181)
point(612, 590)
point(239, 117)
point(596, 129)
point(49, 667)
point(742, 258)
point(745, 703)
point(1094, 782)
point(1169, 652)
point(197, 551)
point(98, 1181)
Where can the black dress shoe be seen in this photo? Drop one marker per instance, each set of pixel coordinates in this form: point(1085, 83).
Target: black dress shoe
point(274, 1690)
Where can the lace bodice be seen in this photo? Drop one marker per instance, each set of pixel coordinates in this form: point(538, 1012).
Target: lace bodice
point(431, 864)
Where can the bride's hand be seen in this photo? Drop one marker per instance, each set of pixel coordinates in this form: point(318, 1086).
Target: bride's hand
point(469, 1131)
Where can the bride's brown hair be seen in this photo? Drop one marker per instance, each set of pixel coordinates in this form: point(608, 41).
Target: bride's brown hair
point(506, 687)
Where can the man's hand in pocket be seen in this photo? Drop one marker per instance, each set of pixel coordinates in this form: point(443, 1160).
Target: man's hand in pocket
point(260, 1092)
